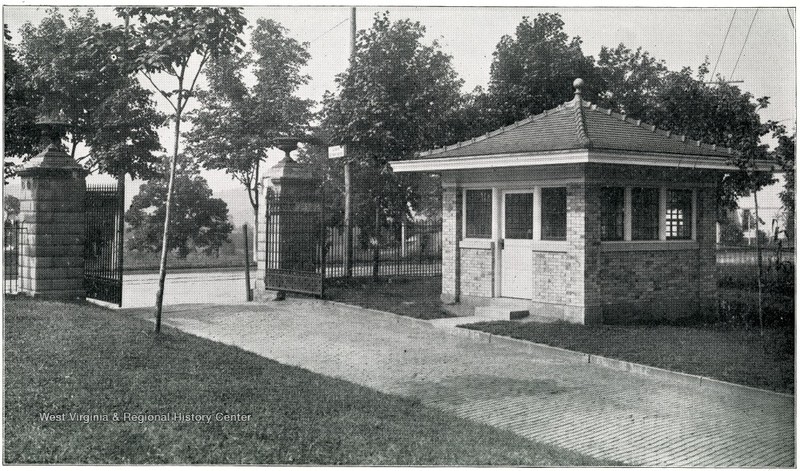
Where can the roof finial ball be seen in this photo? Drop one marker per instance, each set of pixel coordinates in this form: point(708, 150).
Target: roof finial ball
point(578, 83)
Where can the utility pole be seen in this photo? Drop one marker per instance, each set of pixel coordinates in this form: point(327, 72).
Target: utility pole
point(348, 222)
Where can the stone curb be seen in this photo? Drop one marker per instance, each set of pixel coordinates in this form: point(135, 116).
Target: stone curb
point(104, 304)
point(400, 319)
point(573, 356)
point(527, 347)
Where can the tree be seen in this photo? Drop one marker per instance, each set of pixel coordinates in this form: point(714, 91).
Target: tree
point(165, 40)
point(720, 113)
point(731, 231)
point(10, 207)
point(629, 81)
point(396, 98)
point(534, 70)
point(236, 124)
point(785, 156)
point(72, 65)
point(19, 119)
point(199, 221)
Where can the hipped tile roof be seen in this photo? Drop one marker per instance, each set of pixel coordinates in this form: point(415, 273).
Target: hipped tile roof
point(578, 124)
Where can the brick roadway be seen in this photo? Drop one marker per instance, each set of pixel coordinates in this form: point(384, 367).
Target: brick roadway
point(608, 414)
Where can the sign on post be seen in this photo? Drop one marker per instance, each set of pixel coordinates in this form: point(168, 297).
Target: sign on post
point(336, 152)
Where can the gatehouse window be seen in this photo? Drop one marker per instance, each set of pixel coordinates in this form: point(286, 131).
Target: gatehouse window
point(679, 214)
point(554, 213)
point(612, 213)
point(644, 213)
point(478, 214)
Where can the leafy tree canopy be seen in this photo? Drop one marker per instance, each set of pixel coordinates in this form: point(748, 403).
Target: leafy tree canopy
point(534, 70)
point(393, 99)
point(169, 36)
point(11, 207)
point(398, 96)
point(75, 73)
point(785, 156)
point(198, 220)
point(21, 137)
point(237, 124)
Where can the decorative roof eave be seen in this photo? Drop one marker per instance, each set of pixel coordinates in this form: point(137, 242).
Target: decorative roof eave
point(579, 156)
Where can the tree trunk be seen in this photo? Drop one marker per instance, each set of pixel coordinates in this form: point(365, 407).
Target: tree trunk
point(759, 262)
point(256, 206)
point(255, 235)
point(162, 269)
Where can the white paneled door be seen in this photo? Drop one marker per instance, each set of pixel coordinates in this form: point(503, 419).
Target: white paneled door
point(516, 245)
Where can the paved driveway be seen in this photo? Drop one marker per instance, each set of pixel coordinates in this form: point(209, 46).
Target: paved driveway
point(201, 286)
point(607, 414)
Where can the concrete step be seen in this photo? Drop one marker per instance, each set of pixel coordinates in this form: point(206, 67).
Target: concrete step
point(503, 309)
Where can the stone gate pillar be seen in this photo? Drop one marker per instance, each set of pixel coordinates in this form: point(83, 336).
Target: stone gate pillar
point(53, 222)
point(293, 184)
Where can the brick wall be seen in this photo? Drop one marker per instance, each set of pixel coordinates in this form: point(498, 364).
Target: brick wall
point(654, 284)
point(550, 277)
point(476, 272)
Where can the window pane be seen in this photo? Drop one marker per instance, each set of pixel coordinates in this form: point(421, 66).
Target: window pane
point(554, 214)
point(612, 214)
point(519, 216)
point(644, 207)
point(679, 214)
point(479, 213)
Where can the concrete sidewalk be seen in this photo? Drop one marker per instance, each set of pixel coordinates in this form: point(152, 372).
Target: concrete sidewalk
point(604, 413)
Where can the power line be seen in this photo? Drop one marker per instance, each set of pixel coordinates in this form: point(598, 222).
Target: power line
point(723, 43)
point(326, 32)
point(745, 42)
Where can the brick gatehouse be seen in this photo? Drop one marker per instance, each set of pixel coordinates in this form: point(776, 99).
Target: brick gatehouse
point(579, 214)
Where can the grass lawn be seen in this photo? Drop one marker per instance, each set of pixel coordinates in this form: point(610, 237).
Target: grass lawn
point(732, 354)
point(413, 297)
point(75, 358)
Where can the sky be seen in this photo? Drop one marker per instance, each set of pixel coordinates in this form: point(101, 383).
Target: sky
point(680, 36)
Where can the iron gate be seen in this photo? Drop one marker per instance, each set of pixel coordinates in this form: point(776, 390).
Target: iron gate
point(102, 274)
point(295, 260)
point(12, 237)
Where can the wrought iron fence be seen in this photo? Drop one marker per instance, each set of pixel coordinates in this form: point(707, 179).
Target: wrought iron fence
point(738, 265)
point(410, 248)
point(746, 257)
point(12, 243)
point(102, 254)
